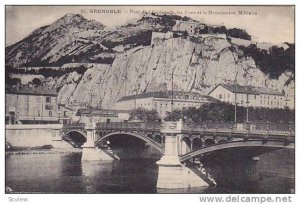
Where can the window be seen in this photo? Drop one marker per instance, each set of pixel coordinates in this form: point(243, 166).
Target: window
point(255, 97)
point(48, 107)
point(27, 98)
point(65, 113)
point(228, 95)
point(38, 99)
point(220, 96)
point(242, 101)
point(48, 99)
point(50, 113)
point(186, 97)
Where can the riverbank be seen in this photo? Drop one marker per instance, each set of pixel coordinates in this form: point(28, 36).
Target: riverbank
point(44, 151)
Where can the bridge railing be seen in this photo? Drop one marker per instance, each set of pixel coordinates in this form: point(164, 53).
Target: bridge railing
point(251, 127)
point(129, 125)
point(74, 126)
point(273, 127)
point(189, 126)
point(208, 126)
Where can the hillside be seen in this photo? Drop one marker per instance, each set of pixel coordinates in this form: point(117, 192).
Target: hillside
point(200, 68)
point(74, 38)
point(113, 63)
point(71, 35)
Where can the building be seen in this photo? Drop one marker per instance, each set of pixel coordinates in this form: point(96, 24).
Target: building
point(290, 97)
point(97, 115)
point(192, 27)
point(161, 101)
point(30, 105)
point(256, 96)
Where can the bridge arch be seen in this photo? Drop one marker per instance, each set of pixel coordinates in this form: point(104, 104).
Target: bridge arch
point(75, 137)
point(158, 138)
point(209, 142)
point(133, 134)
point(150, 135)
point(235, 144)
point(197, 143)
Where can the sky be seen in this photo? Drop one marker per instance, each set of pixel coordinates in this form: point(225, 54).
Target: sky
point(273, 24)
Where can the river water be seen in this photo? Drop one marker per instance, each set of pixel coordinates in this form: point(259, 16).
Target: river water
point(66, 173)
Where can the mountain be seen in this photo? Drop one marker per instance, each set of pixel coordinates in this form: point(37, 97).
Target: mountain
point(197, 67)
point(73, 38)
point(71, 35)
point(123, 60)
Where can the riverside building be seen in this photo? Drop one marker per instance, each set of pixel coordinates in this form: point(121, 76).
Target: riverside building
point(161, 101)
point(30, 105)
point(249, 96)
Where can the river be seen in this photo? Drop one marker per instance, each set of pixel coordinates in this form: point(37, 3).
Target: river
point(66, 173)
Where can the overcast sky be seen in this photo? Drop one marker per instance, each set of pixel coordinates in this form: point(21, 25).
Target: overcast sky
point(269, 23)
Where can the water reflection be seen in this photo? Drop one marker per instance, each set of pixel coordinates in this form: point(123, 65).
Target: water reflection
point(56, 173)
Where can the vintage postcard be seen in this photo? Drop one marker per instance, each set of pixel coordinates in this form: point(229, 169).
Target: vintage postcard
point(150, 99)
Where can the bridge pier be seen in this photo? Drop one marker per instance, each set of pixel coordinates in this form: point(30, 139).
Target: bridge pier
point(171, 173)
point(89, 151)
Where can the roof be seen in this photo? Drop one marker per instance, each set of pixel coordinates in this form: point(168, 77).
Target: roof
point(168, 95)
point(255, 90)
point(25, 90)
point(99, 112)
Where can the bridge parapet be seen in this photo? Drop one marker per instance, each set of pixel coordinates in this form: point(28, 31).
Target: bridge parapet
point(256, 128)
point(139, 126)
point(74, 126)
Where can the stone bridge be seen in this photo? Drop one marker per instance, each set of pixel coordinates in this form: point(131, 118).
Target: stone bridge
point(180, 143)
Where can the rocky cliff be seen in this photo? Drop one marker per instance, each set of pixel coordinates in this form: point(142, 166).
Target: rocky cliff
point(195, 66)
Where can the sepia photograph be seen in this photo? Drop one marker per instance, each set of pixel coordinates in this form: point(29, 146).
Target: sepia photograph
point(148, 99)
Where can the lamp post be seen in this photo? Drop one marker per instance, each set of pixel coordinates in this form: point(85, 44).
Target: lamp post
point(172, 94)
point(126, 66)
point(247, 104)
point(91, 102)
point(135, 99)
point(235, 57)
point(235, 87)
point(172, 91)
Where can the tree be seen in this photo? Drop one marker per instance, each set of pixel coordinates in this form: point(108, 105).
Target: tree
point(144, 115)
point(36, 82)
point(175, 115)
point(273, 62)
point(224, 112)
point(13, 81)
